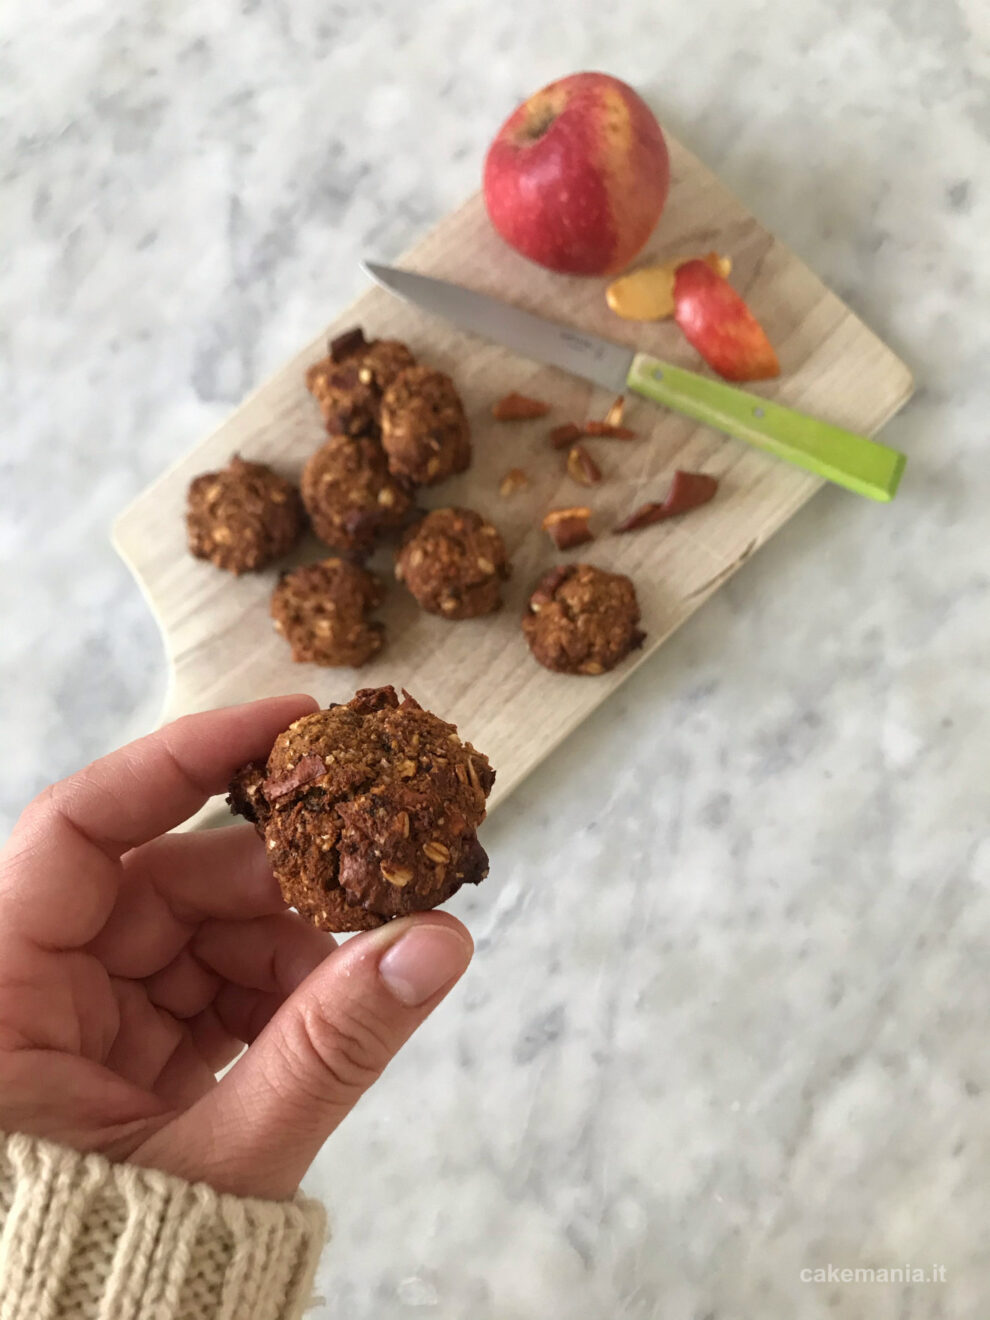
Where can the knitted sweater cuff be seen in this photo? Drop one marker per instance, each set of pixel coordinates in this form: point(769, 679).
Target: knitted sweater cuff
point(85, 1238)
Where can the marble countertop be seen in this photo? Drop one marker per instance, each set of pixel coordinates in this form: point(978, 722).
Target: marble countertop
point(728, 1020)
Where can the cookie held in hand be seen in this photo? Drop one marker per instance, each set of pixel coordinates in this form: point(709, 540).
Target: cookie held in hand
point(369, 811)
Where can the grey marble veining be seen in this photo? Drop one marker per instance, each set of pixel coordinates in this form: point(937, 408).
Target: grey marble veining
point(728, 1019)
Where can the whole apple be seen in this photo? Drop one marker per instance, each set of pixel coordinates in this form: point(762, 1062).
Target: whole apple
point(577, 176)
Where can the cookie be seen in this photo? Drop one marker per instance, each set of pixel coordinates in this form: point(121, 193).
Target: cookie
point(454, 564)
point(424, 428)
point(350, 495)
point(243, 517)
point(349, 382)
point(322, 612)
point(582, 620)
point(369, 811)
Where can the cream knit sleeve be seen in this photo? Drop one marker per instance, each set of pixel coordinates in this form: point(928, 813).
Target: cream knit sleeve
point(84, 1239)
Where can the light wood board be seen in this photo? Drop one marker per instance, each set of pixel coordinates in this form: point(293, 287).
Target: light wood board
point(218, 636)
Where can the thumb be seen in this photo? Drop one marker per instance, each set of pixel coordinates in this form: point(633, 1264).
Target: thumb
point(257, 1132)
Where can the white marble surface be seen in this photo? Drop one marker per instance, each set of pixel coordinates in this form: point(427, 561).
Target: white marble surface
point(730, 1012)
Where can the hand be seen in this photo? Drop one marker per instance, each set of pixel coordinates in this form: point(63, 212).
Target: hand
point(134, 964)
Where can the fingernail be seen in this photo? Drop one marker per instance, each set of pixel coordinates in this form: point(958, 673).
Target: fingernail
point(422, 962)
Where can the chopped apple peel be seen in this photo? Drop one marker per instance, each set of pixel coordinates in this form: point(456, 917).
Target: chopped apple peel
point(647, 294)
point(688, 490)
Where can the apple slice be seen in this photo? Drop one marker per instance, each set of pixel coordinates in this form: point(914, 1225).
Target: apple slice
point(716, 321)
point(647, 294)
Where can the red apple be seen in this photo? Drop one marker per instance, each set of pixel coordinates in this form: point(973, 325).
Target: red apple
point(577, 176)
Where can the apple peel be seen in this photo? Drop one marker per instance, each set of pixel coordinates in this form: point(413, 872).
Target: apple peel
point(647, 294)
point(614, 415)
point(582, 468)
point(562, 437)
point(716, 321)
point(688, 490)
point(515, 479)
point(568, 528)
point(607, 429)
point(519, 408)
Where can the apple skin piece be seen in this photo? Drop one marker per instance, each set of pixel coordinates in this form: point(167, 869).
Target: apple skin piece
point(716, 321)
point(577, 175)
point(688, 490)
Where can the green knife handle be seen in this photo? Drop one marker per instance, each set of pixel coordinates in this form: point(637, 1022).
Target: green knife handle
point(854, 461)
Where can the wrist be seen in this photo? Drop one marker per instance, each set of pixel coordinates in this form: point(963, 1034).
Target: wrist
point(81, 1228)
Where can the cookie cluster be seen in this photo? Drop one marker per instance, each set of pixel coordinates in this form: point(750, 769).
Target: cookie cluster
point(393, 426)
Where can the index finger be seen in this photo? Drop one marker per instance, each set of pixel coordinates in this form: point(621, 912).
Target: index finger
point(62, 863)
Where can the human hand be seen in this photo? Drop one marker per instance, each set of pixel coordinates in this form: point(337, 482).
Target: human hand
point(134, 964)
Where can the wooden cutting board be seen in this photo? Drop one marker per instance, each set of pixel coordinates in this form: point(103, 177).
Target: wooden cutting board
point(479, 673)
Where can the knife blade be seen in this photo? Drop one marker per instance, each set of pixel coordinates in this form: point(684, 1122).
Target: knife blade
point(558, 345)
point(840, 456)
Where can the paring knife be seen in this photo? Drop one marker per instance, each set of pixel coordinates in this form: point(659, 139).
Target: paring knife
point(850, 460)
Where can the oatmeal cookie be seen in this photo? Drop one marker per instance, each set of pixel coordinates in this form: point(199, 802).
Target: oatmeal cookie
point(350, 495)
point(454, 564)
point(242, 517)
point(368, 811)
point(582, 620)
point(424, 428)
point(349, 382)
point(322, 612)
